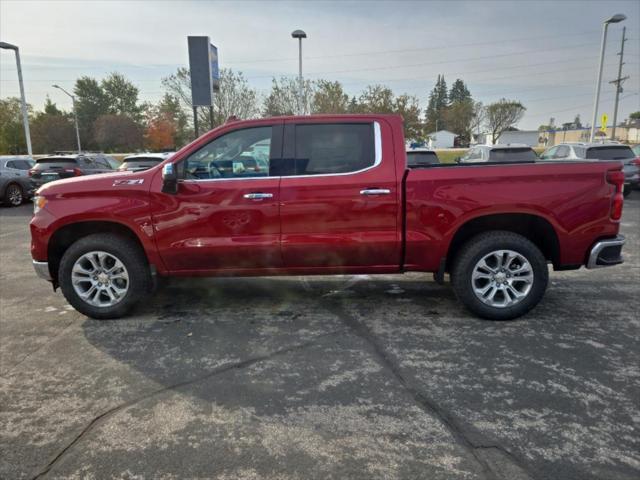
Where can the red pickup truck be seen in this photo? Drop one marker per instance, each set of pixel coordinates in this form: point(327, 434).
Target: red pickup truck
point(325, 194)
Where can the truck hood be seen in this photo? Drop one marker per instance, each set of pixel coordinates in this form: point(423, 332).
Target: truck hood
point(93, 183)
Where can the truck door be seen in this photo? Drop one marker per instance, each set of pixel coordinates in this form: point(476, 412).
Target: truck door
point(225, 216)
point(339, 200)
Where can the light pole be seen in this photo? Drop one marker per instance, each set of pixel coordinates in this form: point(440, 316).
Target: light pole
point(299, 34)
point(617, 18)
point(25, 116)
point(75, 114)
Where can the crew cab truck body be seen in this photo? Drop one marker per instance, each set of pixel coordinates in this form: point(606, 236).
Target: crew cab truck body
point(337, 198)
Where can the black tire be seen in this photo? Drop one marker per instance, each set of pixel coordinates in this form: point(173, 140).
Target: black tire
point(128, 252)
point(13, 195)
point(483, 244)
point(626, 191)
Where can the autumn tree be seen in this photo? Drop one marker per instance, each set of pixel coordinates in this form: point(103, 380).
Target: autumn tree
point(160, 134)
point(284, 97)
point(118, 133)
point(503, 115)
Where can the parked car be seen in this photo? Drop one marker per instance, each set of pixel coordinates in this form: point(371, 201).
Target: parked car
point(15, 184)
point(338, 199)
point(600, 151)
point(142, 161)
point(56, 167)
point(418, 157)
point(636, 150)
point(499, 153)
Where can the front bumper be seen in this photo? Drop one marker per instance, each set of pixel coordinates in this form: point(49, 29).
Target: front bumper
point(606, 253)
point(42, 270)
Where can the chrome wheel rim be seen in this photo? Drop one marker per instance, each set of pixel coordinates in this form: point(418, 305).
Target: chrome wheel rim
point(100, 279)
point(15, 195)
point(502, 278)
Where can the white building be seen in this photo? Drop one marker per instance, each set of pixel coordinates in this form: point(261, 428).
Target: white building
point(442, 139)
point(526, 137)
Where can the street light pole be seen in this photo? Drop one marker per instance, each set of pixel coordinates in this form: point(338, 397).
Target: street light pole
point(619, 17)
point(618, 83)
point(299, 34)
point(25, 116)
point(75, 114)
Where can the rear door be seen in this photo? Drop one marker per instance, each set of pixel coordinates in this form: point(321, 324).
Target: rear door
point(223, 219)
point(338, 196)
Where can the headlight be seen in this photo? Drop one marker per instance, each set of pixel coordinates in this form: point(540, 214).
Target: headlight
point(38, 203)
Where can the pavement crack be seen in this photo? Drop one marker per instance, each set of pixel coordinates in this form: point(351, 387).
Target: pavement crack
point(176, 386)
point(425, 403)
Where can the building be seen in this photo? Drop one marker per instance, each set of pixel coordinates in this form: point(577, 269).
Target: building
point(624, 133)
point(526, 137)
point(442, 139)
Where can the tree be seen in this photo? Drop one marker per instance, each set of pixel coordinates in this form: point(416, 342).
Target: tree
point(169, 108)
point(160, 134)
point(502, 115)
point(117, 133)
point(51, 108)
point(283, 99)
point(329, 97)
point(235, 98)
point(459, 92)
point(479, 117)
point(376, 99)
point(459, 119)
point(634, 116)
point(121, 96)
point(408, 107)
point(53, 131)
point(12, 140)
point(91, 103)
point(438, 102)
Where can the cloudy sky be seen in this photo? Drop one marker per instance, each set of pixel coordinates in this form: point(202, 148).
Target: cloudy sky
point(543, 53)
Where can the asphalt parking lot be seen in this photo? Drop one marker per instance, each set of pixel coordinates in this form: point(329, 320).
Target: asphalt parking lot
point(320, 377)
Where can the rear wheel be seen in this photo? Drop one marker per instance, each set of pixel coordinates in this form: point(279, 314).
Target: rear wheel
point(626, 191)
point(14, 195)
point(104, 275)
point(500, 275)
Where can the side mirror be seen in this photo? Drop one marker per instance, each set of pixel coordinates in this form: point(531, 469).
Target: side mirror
point(169, 179)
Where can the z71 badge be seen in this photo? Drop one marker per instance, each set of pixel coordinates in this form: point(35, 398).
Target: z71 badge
point(135, 181)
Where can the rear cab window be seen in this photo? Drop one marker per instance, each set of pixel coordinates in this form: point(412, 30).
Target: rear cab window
point(512, 155)
point(610, 152)
point(416, 159)
point(55, 162)
point(333, 149)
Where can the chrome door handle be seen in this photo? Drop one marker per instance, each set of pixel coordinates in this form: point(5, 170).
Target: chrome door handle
point(375, 191)
point(258, 196)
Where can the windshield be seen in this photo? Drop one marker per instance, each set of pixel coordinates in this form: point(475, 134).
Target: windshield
point(421, 158)
point(512, 155)
point(610, 153)
point(56, 162)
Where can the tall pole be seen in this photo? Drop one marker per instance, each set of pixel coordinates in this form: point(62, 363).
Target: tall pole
point(618, 83)
point(599, 82)
point(25, 115)
point(300, 104)
point(75, 118)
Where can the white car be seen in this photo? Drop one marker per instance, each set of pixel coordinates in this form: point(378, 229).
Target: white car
point(143, 161)
point(499, 153)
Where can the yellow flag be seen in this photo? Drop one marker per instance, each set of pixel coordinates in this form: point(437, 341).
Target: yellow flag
point(603, 122)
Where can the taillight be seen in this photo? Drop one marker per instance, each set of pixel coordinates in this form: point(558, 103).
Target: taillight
point(32, 171)
point(616, 178)
point(636, 162)
point(76, 171)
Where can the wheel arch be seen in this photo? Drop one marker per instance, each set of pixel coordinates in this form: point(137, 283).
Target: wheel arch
point(66, 235)
point(533, 227)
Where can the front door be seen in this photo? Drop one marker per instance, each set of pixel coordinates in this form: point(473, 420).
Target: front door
point(225, 216)
point(339, 205)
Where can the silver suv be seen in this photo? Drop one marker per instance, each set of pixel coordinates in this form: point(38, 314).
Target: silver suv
point(15, 184)
point(600, 151)
point(499, 153)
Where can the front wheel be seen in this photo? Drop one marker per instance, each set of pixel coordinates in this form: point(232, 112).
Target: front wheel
point(500, 275)
point(104, 275)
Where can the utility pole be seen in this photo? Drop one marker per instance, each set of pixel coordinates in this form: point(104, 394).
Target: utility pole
point(23, 102)
point(618, 83)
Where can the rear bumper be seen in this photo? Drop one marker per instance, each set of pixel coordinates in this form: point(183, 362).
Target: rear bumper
point(42, 270)
point(606, 253)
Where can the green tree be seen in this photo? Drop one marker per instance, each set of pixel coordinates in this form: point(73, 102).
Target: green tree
point(634, 116)
point(283, 99)
point(459, 118)
point(438, 102)
point(91, 103)
point(408, 106)
point(121, 96)
point(51, 108)
point(376, 99)
point(503, 115)
point(53, 131)
point(12, 140)
point(329, 97)
point(118, 133)
point(169, 107)
point(459, 92)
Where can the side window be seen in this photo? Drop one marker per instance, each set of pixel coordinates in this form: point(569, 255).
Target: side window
point(322, 149)
point(473, 155)
point(239, 154)
point(562, 152)
point(11, 164)
point(86, 162)
point(580, 152)
point(22, 165)
point(549, 153)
